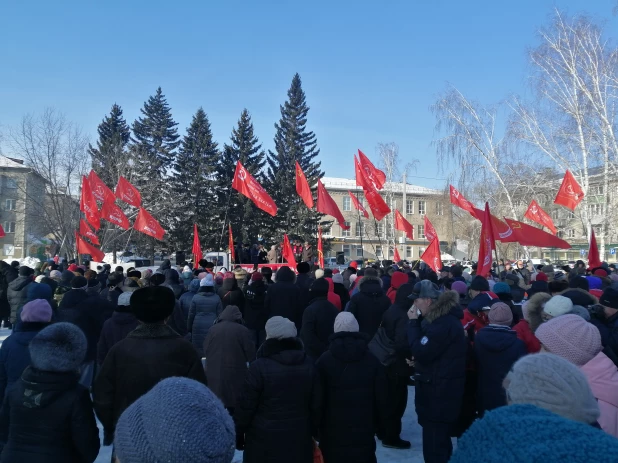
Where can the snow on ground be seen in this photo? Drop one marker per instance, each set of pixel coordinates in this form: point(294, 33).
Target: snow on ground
point(28, 261)
point(411, 431)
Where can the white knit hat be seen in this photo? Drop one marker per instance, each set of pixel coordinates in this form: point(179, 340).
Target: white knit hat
point(558, 305)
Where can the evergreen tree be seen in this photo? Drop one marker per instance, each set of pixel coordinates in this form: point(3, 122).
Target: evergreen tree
point(194, 184)
point(293, 142)
point(247, 220)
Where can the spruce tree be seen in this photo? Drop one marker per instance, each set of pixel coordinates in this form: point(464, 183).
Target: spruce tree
point(247, 220)
point(194, 184)
point(293, 142)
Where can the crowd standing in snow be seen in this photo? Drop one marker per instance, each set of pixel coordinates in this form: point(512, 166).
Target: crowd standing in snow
point(186, 364)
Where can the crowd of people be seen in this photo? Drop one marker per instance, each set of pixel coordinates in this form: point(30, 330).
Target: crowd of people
point(188, 364)
point(245, 253)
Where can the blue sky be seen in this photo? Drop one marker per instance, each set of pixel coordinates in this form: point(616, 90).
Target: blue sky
point(370, 69)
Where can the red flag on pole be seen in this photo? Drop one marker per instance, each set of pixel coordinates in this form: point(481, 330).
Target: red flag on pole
point(320, 249)
point(2, 233)
point(396, 257)
point(501, 230)
point(458, 200)
point(327, 205)
point(146, 224)
point(538, 215)
point(371, 172)
point(100, 190)
point(402, 224)
point(245, 184)
point(430, 231)
point(378, 206)
point(287, 252)
point(197, 247)
point(88, 205)
point(113, 214)
point(358, 206)
point(487, 244)
point(527, 235)
point(231, 242)
point(85, 230)
point(302, 187)
point(570, 193)
point(126, 192)
point(593, 253)
point(84, 247)
point(432, 256)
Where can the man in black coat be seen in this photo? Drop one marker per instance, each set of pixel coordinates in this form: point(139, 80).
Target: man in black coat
point(121, 323)
point(283, 298)
point(303, 281)
point(369, 304)
point(17, 291)
point(318, 320)
point(254, 313)
point(438, 345)
point(7, 274)
point(352, 395)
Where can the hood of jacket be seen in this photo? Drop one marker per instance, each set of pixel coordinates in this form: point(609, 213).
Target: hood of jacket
point(66, 277)
point(401, 297)
point(229, 284)
point(73, 298)
point(172, 277)
point(331, 284)
point(165, 265)
point(398, 279)
point(603, 377)
point(42, 388)
point(288, 351)
point(194, 286)
point(20, 283)
point(447, 303)
point(481, 300)
point(348, 346)
point(285, 275)
point(496, 338)
point(230, 314)
point(372, 286)
point(533, 309)
point(580, 297)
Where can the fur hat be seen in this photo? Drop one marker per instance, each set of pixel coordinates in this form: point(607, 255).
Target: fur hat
point(571, 337)
point(153, 304)
point(346, 321)
point(479, 283)
point(558, 305)
point(240, 273)
point(60, 347)
point(37, 310)
point(500, 314)
point(319, 287)
point(25, 271)
point(280, 328)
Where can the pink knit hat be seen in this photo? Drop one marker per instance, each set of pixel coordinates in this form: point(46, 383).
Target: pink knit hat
point(571, 337)
point(500, 314)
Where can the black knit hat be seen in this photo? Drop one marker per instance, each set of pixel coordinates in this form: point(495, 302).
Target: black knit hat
point(153, 304)
point(479, 284)
point(25, 271)
point(319, 287)
point(303, 267)
point(79, 282)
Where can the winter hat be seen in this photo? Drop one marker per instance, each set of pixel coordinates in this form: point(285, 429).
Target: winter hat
point(537, 287)
point(541, 277)
point(319, 273)
point(303, 267)
point(319, 287)
point(594, 282)
point(153, 304)
point(55, 274)
point(609, 298)
point(79, 283)
point(60, 347)
point(227, 275)
point(580, 312)
point(479, 283)
point(239, 274)
point(336, 271)
point(200, 276)
point(354, 264)
point(36, 311)
point(218, 280)
point(208, 281)
point(194, 286)
point(502, 288)
point(551, 382)
point(459, 287)
point(338, 278)
point(125, 298)
point(25, 271)
point(500, 314)
point(353, 278)
point(558, 305)
point(346, 321)
point(571, 337)
point(257, 276)
point(614, 277)
point(203, 429)
point(600, 273)
point(579, 282)
point(72, 267)
point(38, 291)
point(280, 328)
point(186, 268)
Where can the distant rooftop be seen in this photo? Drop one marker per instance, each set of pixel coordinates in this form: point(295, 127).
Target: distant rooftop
point(336, 183)
point(10, 162)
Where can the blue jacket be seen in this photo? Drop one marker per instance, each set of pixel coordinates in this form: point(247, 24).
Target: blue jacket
point(497, 348)
point(528, 434)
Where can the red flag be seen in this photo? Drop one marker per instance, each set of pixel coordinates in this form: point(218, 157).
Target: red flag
point(396, 257)
point(458, 200)
point(570, 193)
point(287, 252)
point(432, 256)
point(327, 205)
point(84, 247)
point(113, 214)
point(85, 230)
point(100, 190)
point(302, 187)
point(430, 231)
point(487, 244)
point(358, 206)
point(245, 184)
point(371, 173)
point(231, 242)
point(88, 205)
point(2, 234)
point(527, 235)
point(320, 248)
point(146, 224)
point(538, 215)
point(402, 224)
point(128, 193)
point(378, 206)
point(197, 247)
point(593, 253)
point(501, 230)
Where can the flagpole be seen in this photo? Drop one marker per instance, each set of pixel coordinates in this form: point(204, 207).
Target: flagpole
point(362, 228)
point(229, 197)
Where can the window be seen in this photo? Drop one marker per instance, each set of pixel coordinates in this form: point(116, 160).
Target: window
point(9, 227)
point(346, 250)
point(409, 252)
point(345, 232)
point(10, 204)
point(379, 251)
point(596, 209)
point(570, 215)
point(421, 251)
point(421, 231)
point(596, 190)
point(555, 214)
point(409, 206)
point(380, 229)
point(347, 203)
point(421, 207)
point(439, 208)
point(359, 252)
point(360, 229)
point(11, 183)
point(570, 233)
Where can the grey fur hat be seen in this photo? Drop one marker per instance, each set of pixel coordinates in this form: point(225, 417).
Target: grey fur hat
point(60, 347)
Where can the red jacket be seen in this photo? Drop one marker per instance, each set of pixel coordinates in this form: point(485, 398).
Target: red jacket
point(398, 279)
point(332, 296)
point(522, 328)
point(477, 321)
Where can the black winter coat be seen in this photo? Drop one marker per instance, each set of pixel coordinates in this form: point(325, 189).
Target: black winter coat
point(352, 396)
point(115, 330)
point(343, 294)
point(318, 324)
point(369, 305)
point(17, 294)
point(7, 274)
point(47, 417)
point(439, 347)
point(150, 353)
point(231, 294)
point(278, 405)
point(304, 281)
point(497, 348)
point(255, 314)
point(283, 298)
point(395, 323)
point(110, 295)
point(205, 308)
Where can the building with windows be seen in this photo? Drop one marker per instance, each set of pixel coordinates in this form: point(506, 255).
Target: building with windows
point(370, 239)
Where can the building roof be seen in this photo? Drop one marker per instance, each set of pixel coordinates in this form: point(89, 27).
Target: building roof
point(8, 162)
point(336, 183)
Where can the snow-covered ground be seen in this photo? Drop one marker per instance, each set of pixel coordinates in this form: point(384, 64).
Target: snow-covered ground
point(411, 431)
